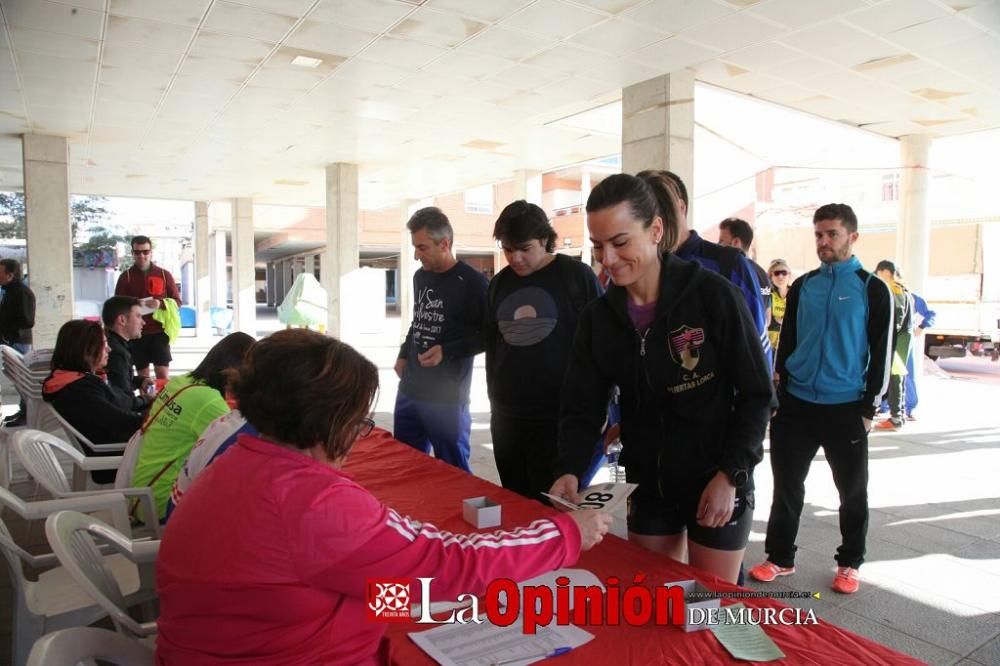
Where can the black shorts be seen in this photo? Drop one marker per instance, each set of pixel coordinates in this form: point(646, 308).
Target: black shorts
point(148, 349)
point(652, 515)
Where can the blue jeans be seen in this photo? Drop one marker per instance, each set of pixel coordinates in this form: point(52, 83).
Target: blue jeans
point(443, 427)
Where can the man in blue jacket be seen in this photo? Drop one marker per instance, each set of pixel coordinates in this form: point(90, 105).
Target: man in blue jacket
point(829, 387)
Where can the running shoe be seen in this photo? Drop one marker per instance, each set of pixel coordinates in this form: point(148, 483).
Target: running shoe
point(767, 571)
point(847, 580)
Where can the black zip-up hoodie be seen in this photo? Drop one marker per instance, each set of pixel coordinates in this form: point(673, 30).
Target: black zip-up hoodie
point(696, 392)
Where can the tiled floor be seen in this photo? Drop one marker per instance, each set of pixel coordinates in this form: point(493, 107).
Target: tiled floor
point(931, 582)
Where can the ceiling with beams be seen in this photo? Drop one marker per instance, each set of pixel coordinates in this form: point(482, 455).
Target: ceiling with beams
point(199, 99)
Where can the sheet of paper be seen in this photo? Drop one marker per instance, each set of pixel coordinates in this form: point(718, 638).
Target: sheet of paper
point(487, 644)
point(606, 496)
point(601, 496)
point(746, 641)
point(562, 502)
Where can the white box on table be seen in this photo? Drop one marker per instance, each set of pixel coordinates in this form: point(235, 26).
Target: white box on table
point(699, 600)
point(481, 512)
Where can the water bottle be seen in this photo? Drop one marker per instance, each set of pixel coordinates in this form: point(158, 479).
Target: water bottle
point(616, 473)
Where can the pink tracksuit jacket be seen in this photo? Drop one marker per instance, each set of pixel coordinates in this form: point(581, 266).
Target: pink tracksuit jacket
point(267, 558)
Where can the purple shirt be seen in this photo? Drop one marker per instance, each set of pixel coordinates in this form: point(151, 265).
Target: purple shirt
point(642, 316)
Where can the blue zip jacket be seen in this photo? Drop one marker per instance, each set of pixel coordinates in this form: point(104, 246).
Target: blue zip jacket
point(835, 344)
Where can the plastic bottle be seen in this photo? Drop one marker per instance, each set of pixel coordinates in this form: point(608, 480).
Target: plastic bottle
point(616, 473)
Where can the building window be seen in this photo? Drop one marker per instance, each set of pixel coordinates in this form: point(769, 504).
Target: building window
point(890, 187)
point(479, 200)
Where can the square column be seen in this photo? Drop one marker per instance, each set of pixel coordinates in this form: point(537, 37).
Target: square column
point(271, 281)
point(218, 278)
point(586, 250)
point(280, 280)
point(244, 276)
point(202, 268)
point(913, 235)
point(407, 267)
point(658, 127)
point(309, 264)
point(341, 238)
point(49, 237)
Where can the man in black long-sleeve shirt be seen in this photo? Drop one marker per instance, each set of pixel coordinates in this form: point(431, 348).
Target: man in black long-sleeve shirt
point(123, 322)
point(435, 360)
point(17, 317)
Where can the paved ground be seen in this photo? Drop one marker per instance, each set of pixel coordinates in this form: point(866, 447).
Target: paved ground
point(931, 584)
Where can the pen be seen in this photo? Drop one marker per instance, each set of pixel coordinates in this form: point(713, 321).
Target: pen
point(544, 655)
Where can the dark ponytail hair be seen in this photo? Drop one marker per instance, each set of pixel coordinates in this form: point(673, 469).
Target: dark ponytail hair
point(647, 194)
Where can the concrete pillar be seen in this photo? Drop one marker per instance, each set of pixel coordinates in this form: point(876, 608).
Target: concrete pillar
point(341, 237)
point(913, 234)
point(202, 268)
point(49, 235)
point(280, 280)
point(407, 267)
point(586, 254)
point(272, 281)
point(309, 264)
point(658, 128)
point(218, 277)
point(528, 186)
point(244, 276)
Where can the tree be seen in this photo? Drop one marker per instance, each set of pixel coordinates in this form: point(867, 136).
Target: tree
point(11, 215)
point(91, 229)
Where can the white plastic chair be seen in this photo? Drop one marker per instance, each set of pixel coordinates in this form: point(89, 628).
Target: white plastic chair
point(69, 647)
point(55, 601)
point(72, 537)
point(113, 505)
point(37, 452)
point(29, 386)
point(78, 439)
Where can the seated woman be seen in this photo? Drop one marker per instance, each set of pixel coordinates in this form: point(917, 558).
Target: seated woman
point(79, 393)
point(266, 559)
point(180, 413)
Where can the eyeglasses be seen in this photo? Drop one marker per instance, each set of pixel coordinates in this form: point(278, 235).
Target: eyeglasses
point(365, 427)
point(138, 252)
point(779, 273)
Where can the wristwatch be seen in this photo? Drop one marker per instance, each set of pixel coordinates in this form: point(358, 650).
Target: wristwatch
point(737, 476)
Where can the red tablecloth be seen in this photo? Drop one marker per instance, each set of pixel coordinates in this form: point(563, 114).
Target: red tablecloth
point(429, 490)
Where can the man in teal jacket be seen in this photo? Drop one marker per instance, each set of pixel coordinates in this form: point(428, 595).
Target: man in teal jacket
point(833, 368)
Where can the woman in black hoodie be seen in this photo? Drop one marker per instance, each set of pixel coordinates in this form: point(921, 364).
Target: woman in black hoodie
point(696, 393)
point(78, 391)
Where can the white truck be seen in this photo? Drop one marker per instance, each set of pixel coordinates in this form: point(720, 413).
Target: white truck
point(967, 305)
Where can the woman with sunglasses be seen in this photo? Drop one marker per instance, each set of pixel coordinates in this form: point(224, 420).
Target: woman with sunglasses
point(781, 278)
point(266, 560)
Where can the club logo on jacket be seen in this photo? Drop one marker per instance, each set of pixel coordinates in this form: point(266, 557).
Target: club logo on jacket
point(684, 345)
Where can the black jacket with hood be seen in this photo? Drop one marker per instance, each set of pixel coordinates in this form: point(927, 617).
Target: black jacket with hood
point(696, 391)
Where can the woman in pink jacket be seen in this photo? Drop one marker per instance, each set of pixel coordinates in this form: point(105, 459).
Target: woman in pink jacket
point(265, 561)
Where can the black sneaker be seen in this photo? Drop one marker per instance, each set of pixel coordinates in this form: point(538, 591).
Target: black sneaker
point(15, 420)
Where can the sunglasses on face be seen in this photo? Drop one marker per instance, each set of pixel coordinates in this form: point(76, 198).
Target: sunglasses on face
point(779, 273)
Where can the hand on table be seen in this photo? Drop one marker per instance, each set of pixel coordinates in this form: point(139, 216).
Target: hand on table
point(593, 526)
point(715, 507)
